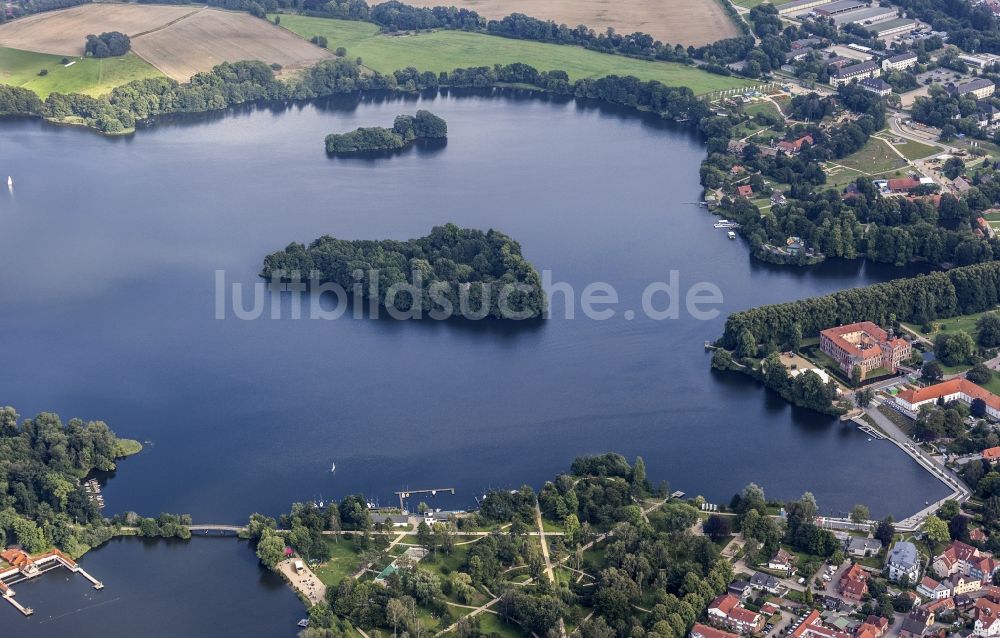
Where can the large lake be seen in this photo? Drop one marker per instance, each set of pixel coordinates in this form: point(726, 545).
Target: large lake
point(108, 264)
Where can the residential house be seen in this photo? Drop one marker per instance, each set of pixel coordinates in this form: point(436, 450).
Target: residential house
point(777, 198)
point(979, 88)
point(932, 589)
point(952, 390)
point(864, 547)
point(991, 454)
point(961, 558)
point(795, 146)
point(977, 535)
point(812, 627)
point(917, 623)
point(853, 584)
point(940, 606)
point(988, 116)
point(740, 588)
point(961, 185)
point(987, 618)
point(704, 631)
point(736, 147)
point(765, 582)
point(782, 561)
point(745, 191)
point(864, 346)
point(872, 627)
point(903, 561)
point(964, 584)
point(728, 611)
point(737, 169)
point(899, 62)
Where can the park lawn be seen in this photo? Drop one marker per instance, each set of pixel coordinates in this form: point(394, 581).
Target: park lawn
point(439, 51)
point(915, 150)
point(551, 526)
point(838, 177)
point(994, 384)
point(762, 106)
point(874, 157)
point(961, 323)
point(344, 561)
point(494, 624)
point(87, 75)
point(445, 564)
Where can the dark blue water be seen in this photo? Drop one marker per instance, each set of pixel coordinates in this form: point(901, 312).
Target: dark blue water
point(108, 259)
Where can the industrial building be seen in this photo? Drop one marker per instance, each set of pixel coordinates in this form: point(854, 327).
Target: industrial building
point(867, 15)
point(799, 5)
point(839, 6)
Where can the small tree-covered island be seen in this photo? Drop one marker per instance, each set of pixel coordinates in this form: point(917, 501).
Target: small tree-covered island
point(405, 130)
point(453, 272)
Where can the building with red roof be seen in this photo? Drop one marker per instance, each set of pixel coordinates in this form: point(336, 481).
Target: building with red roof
point(812, 627)
point(793, 147)
point(704, 631)
point(853, 584)
point(745, 191)
point(903, 184)
point(728, 611)
point(865, 346)
point(953, 390)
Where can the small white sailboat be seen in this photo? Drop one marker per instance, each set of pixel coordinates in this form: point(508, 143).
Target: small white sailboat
point(333, 467)
point(10, 182)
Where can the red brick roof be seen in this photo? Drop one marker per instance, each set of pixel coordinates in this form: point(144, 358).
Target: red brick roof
point(953, 386)
point(745, 191)
point(873, 331)
point(991, 454)
point(903, 184)
point(725, 603)
point(704, 631)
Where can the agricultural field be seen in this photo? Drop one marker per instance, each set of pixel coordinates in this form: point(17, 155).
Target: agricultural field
point(209, 37)
point(687, 22)
point(65, 32)
point(447, 50)
point(83, 75)
point(178, 40)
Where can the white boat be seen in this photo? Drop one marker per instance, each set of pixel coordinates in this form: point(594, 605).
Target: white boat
point(333, 467)
point(10, 182)
point(732, 235)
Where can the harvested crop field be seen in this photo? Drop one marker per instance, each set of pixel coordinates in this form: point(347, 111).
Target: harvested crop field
point(179, 41)
point(687, 22)
point(64, 32)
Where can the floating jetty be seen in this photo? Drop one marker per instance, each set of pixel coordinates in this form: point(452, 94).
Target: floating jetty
point(22, 567)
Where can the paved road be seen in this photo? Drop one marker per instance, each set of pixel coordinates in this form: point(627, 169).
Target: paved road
point(935, 466)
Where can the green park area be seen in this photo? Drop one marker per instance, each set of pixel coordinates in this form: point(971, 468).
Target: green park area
point(874, 158)
point(439, 51)
point(44, 73)
point(915, 150)
point(962, 323)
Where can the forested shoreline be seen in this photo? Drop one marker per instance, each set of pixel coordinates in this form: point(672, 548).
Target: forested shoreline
point(231, 84)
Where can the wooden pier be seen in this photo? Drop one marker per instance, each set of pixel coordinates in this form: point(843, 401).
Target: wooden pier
point(433, 492)
point(24, 567)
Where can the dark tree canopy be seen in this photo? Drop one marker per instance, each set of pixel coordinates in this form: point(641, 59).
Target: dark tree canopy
point(107, 45)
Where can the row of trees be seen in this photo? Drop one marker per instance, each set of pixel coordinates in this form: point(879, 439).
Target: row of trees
point(918, 299)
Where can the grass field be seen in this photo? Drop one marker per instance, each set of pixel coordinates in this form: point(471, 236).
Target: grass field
point(963, 323)
point(344, 561)
point(874, 157)
point(86, 75)
point(447, 50)
point(915, 150)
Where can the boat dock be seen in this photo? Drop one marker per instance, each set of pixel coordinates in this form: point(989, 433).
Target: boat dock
point(868, 429)
point(93, 491)
point(22, 567)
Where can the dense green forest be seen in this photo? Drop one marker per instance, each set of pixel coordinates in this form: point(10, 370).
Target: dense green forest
point(405, 130)
point(231, 84)
point(457, 272)
point(41, 463)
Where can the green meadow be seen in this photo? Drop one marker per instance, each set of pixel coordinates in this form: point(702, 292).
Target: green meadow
point(447, 50)
point(85, 75)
